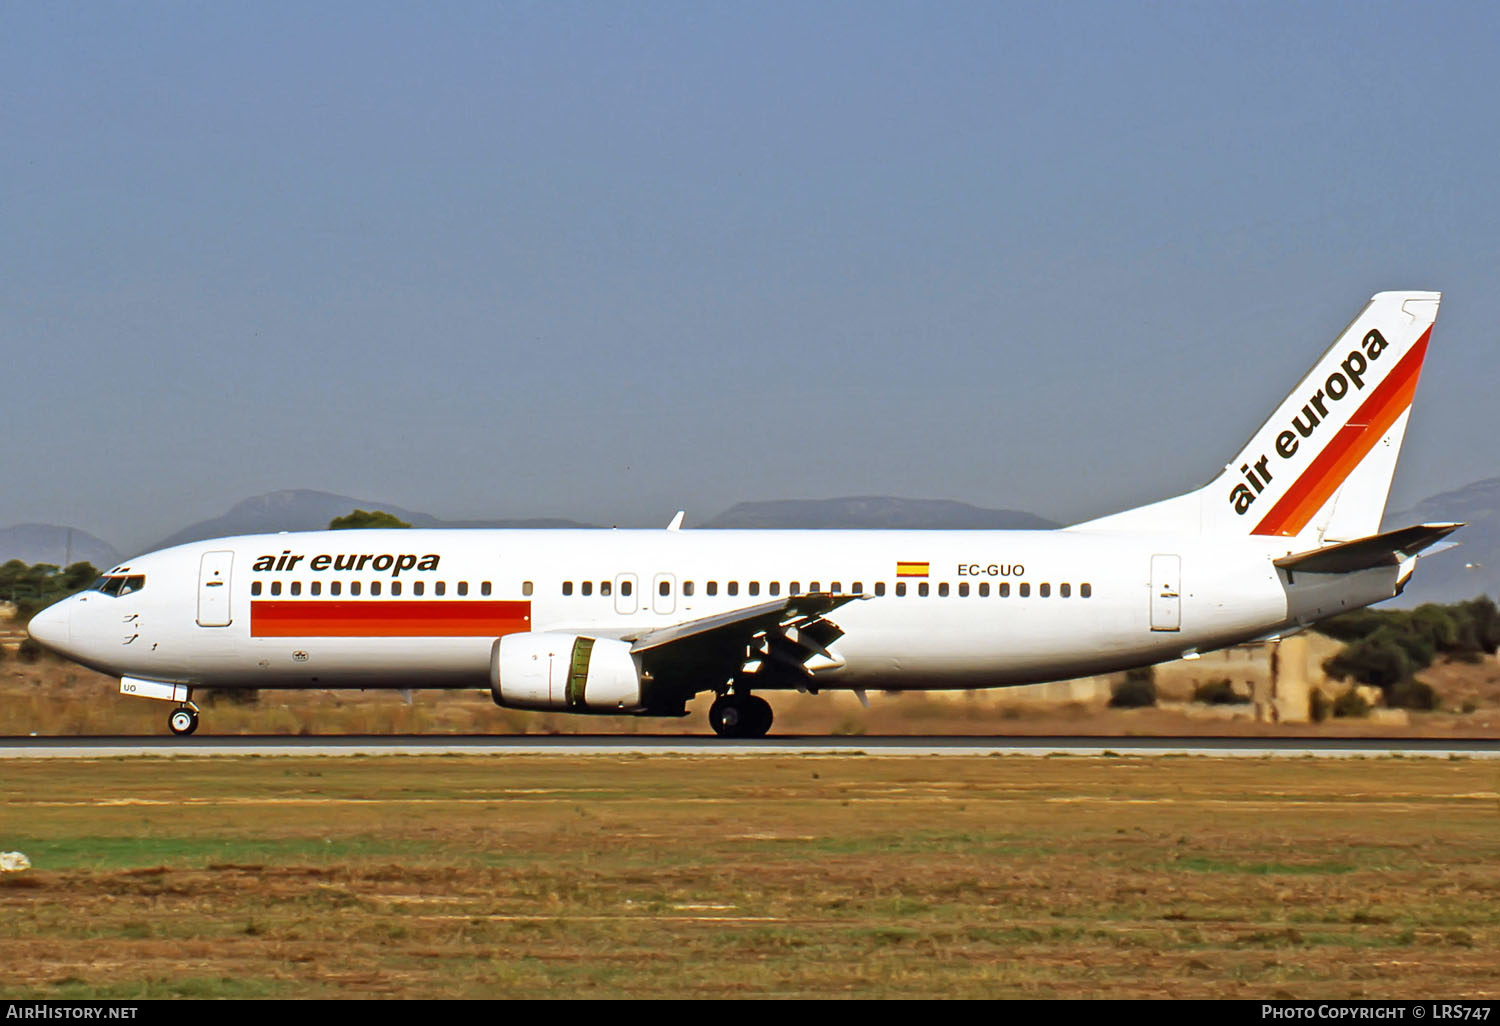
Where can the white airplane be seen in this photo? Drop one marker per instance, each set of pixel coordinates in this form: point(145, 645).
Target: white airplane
point(640, 621)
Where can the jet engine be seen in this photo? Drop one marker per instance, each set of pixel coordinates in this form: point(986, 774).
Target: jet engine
point(568, 672)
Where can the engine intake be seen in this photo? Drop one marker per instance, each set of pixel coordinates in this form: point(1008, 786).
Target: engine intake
point(569, 672)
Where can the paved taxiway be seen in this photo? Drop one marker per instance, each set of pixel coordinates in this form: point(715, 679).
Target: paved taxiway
point(1245, 747)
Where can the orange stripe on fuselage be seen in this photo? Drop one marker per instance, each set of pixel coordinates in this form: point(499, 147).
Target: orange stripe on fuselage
point(387, 618)
point(1349, 446)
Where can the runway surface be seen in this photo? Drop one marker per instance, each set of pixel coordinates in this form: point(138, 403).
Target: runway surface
point(572, 745)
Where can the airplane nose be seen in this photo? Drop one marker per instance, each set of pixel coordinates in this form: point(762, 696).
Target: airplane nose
point(52, 626)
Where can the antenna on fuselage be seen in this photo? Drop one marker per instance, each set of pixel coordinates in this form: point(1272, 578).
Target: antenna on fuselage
point(676, 524)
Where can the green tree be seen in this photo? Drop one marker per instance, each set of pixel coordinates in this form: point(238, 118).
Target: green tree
point(78, 576)
point(1351, 703)
point(1386, 648)
point(361, 519)
point(41, 584)
point(1379, 659)
point(1479, 625)
point(1138, 689)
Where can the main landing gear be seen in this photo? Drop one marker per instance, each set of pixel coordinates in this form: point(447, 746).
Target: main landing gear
point(183, 721)
point(740, 715)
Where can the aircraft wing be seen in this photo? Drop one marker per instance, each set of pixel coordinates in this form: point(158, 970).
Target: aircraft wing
point(1387, 549)
point(785, 636)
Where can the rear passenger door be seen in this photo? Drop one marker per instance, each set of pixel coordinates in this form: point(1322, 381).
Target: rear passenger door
point(1166, 593)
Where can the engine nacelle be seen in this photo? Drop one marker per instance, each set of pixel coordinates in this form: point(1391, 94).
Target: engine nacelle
point(569, 672)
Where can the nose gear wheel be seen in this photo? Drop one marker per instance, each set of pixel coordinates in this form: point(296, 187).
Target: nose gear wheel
point(183, 721)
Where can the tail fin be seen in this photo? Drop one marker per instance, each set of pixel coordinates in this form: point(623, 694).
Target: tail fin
point(1320, 468)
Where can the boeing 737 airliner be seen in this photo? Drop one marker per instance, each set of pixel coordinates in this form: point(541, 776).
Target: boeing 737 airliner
point(639, 622)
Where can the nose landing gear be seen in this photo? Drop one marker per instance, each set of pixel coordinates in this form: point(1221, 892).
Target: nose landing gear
point(183, 721)
point(740, 715)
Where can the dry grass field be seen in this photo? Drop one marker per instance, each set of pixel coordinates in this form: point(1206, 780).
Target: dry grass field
point(750, 876)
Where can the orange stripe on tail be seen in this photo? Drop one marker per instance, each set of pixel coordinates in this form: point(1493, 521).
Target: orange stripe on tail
point(1353, 442)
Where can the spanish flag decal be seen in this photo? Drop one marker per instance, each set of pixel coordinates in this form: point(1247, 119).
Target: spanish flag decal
point(906, 569)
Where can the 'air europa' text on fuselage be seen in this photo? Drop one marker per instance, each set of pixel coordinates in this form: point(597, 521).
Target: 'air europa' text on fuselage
point(379, 562)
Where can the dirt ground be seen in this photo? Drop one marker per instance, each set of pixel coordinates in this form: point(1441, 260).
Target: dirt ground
point(51, 697)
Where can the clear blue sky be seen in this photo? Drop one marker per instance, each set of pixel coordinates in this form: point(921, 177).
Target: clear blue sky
point(607, 260)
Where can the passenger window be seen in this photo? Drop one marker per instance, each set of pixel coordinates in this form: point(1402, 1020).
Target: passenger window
point(793, 589)
point(713, 587)
point(836, 588)
point(416, 588)
point(963, 590)
point(374, 587)
point(625, 588)
point(858, 589)
point(296, 588)
point(664, 589)
point(734, 587)
point(485, 588)
point(984, 589)
point(255, 588)
point(567, 587)
point(687, 588)
point(604, 587)
point(1005, 589)
point(1025, 590)
point(441, 588)
point(813, 587)
point(924, 589)
point(334, 587)
point(463, 587)
point(1085, 590)
point(1044, 590)
point(943, 590)
point(354, 587)
point(275, 587)
point(755, 587)
point(879, 588)
point(900, 589)
point(1065, 590)
point(586, 588)
point(395, 587)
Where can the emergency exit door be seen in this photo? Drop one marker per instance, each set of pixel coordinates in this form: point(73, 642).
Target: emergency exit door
point(1166, 593)
point(626, 600)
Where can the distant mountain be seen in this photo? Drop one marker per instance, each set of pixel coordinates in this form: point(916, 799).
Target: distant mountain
point(874, 512)
point(1473, 566)
point(303, 509)
point(48, 543)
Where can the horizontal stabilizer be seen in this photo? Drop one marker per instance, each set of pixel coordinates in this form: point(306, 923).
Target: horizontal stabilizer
point(1388, 549)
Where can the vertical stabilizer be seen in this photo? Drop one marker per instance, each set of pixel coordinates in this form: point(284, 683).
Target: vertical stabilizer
point(1320, 468)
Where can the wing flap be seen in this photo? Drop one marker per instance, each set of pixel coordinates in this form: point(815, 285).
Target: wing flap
point(747, 621)
point(787, 636)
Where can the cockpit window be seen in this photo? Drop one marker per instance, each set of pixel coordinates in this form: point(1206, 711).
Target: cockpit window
point(119, 585)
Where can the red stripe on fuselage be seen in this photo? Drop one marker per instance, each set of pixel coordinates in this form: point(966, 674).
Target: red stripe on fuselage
point(1349, 446)
point(387, 618)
